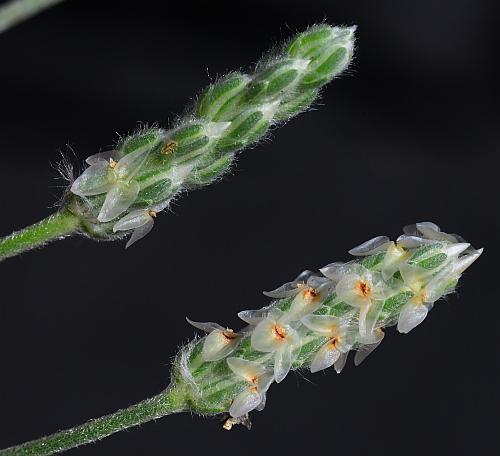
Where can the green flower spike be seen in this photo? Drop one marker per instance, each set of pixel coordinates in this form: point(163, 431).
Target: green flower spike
point(314, 322)
point(122, 190)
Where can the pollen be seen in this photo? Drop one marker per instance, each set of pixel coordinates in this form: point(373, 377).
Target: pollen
point(333, 343)
point(112, 163)
point(419, 298)
point(363, 288)
point(152, 213)
point(229, 334)
point(228, 424)
point(279, 332)
point(308, 293)
point(169, 147)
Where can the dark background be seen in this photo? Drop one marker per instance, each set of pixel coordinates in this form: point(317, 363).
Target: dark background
point(410, 134)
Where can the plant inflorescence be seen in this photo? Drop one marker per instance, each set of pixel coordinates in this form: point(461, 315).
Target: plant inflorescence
point(122, 190)
point(313, 323)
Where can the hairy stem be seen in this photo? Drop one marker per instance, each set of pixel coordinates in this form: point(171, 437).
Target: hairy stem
point(166, 403)
point(16, 11)
point(56, 226)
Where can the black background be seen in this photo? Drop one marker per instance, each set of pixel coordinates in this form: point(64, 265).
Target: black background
point(410, 134)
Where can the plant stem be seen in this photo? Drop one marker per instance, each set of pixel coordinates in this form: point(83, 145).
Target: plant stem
point(17, 11)
point(56, 226)
point(166, 403)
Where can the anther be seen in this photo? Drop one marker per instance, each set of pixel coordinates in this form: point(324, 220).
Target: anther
point(169, 147)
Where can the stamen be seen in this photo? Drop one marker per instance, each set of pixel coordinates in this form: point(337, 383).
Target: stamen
point(308, 293)
point(279, 332)
point(229, 334)
point(363, 288)
point(169, 147)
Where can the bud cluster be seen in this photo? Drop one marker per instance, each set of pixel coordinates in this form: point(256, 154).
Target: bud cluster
point(317, 319)
point(122, 190)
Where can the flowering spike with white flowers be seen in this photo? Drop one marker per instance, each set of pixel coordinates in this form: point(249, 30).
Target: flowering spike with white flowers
point(314, 322)
point(123, 190)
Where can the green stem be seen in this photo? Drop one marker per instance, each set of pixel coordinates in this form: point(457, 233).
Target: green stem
point(16, 11)
point(166, 403)
point(56, 226)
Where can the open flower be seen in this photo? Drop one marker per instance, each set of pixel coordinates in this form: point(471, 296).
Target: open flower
point(292, 288)
point(141, 221)
point(340, 340)
point(275, 335)
point(219, 343)
point(428, 290)
point(395, 254)
point(363, 289)
point(115, 179)
point(254, 396)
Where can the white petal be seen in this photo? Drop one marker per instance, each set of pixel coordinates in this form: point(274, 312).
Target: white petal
point(410, 242)
point(140, 232)
point(253, 317)
point(133, 220)
point(463, 263)
point(96, 179)
point(207, 327)
point(347, 339)
point(335, 271)
point(375, 245)
point(282, 363)
point(284, 291)
point(431, 231)
point(262, 404)
point(129, 165)
point(363, 352)
point(290, 288)
point(118, 200)
point(161, 206)
point(307, 301)
point(346, 290)
point(318, 282)
point(372, 338)
point(248, 370)
point(102, 156)
point(325, 325)
point(393, 258)
point(326, 356)
point(219, 344)
point(268, 336)
point(453, 250)
point(436, 287)
point(340, 363)
point(265, 381)
point(245, 402)
point(371, 317)
point(413, 276)
point(411, 315)
point(363, 312)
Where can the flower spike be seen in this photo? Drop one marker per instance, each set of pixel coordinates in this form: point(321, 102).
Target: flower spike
point(317, 319)
point(116, 195)
point(348, 308)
